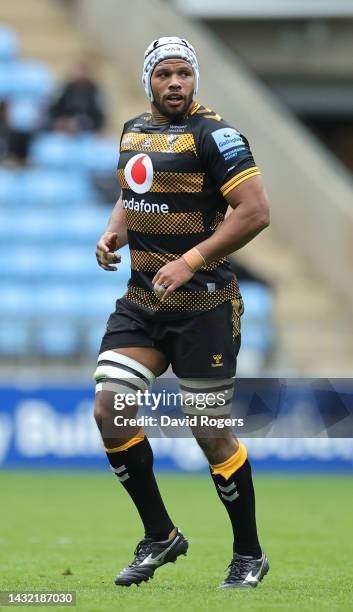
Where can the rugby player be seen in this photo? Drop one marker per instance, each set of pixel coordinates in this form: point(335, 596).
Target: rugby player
point(180, 167)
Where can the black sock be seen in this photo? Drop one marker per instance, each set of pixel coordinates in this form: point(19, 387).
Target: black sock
point(237, 495)
point(134, 469)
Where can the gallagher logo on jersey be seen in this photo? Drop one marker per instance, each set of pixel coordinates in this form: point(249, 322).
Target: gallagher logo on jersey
point(139, 173)
point(229, 142)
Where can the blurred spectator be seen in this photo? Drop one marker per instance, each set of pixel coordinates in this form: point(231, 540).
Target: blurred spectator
point(13, 143)
point(79, 105)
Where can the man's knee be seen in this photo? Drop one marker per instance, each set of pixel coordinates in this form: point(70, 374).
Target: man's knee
point(97, 412)
point(103, 407)
point(118, 376)
point(114, 433)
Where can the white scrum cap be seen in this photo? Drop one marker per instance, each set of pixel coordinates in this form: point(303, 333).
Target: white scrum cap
point(164, 48)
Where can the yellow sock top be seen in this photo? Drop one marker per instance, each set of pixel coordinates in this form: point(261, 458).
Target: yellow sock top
point(232, 464)
point(135, 440)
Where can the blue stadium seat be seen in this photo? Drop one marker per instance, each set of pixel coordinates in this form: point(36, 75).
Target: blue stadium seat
point(94, 334)
point(44, 188)
point(58, 338)
point(9, 44)
point(15, 337)
point(59, 300)
point(99, 301)
point(22, 263)
point(256, 336)
point(7, 185)
point(33, 300)
point(13, 299)
point(74, 263)
point(6, 81)
point(54, 150)
point(7, 228)
point(79, 263)
point(86, 224)
point(75, 301)
point(87, 152)
point(34, 79)
point(25, 78)
point(256, 325)
point(38, 225)
point(100, 155)
point(53, 262)
point(257, 299)
point(25, 115)
point(32, 226)
point(58, 188)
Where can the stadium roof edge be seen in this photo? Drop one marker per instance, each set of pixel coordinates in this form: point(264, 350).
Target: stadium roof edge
point(265, 9)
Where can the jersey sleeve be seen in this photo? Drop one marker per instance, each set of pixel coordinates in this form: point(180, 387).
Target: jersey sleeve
point(124, 130)
point(226, 155)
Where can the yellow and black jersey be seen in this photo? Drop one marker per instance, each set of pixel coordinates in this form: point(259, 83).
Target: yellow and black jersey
point(174, 179)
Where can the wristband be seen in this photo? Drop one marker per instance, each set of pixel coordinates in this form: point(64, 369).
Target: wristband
point(194, 260)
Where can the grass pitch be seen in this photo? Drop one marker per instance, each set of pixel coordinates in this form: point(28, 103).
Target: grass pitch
point(74, 531)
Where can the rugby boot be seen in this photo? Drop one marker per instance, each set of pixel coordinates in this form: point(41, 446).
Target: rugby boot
point(150, 555)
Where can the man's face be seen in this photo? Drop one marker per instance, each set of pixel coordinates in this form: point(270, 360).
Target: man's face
point(173, 85)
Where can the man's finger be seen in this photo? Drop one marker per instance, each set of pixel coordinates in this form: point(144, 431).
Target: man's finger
point(113, 240)
point(168, 291)
point(111, 257)
point(108, 268)
point(103, 246)
point(105, 264)
point(158, 289)
point(100, 257)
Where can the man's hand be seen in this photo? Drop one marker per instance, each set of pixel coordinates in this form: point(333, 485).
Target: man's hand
point(108, 243)
point(170, 277)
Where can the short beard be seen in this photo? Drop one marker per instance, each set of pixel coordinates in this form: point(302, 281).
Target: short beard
point(174, 115)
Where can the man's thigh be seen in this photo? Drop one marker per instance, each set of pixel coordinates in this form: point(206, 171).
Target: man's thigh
point(206, 346)
point(150, 358)
point(204, 361)
point(127, 328)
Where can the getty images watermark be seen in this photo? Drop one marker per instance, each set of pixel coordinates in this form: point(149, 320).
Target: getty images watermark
point(259, 408)
point(169, 399)
point(198, 402)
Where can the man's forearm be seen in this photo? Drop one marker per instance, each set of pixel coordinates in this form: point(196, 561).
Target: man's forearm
point(117, 223)
point(239, 228)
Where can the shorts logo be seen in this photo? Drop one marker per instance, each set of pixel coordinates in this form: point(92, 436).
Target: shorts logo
point(217, 361)
point(229, 142)
point(139, 173)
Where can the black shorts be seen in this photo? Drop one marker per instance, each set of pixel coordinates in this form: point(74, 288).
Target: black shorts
point(205, 345)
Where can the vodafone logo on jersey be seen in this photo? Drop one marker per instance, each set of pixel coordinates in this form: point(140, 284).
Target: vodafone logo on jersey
point(139, 173)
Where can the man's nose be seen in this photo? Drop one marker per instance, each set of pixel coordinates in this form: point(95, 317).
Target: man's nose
point(174, 82)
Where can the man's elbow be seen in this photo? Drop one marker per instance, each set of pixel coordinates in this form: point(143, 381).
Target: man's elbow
point(264, 218)
point(262, 215)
